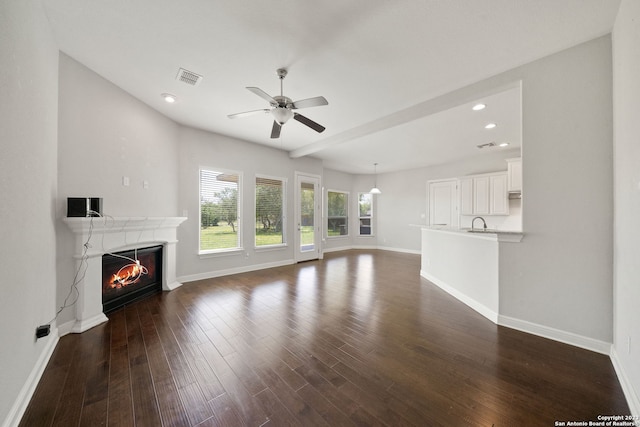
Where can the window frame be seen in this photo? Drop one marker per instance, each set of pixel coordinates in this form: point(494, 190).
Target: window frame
point(348, 211)
point(283, 213)
point(360, 218)
point(239, 217)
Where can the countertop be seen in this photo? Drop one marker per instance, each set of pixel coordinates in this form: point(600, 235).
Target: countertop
point(489, 234)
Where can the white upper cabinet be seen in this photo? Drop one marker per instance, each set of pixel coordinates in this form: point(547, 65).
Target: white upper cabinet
point(498, 194)
point(466, 196)
point(514, 175)
point(484, 194)
point(481, 195)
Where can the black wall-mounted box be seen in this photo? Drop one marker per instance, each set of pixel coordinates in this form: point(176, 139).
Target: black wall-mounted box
point(84, 206)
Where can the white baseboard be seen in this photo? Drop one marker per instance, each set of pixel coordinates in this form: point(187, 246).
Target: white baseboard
point(523, 325)
point(24, 397)
point(229, 271)
point(556, 334)
point(77, 327)
point(633, 400)
point(480, 308)
point(85, 324)
point(66, 328)
point(171, 286)
point(365, 247)
point(404, 251)
point(343, 248)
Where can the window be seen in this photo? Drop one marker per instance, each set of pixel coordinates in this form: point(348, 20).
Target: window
point(219, 211)
point(269, 212)
point(337, 213)
point(365, 213)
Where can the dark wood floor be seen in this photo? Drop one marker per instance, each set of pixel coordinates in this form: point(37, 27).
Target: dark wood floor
point(356, 339)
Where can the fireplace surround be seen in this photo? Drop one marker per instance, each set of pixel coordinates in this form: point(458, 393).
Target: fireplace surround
point(110, 235)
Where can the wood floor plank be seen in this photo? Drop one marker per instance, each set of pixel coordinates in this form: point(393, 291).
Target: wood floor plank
point(120, 399)
point(358, 338)
point(225, 412)
point(49, 390)
point(145, 405)
point(69, 409)
point(303, 413)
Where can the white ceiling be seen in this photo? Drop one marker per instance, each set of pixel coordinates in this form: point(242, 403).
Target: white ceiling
point(377, 62)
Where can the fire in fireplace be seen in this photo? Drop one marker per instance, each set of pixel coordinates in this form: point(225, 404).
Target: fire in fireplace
point(130, 275)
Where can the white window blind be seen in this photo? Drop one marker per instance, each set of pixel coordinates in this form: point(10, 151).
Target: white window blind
point(219, 210)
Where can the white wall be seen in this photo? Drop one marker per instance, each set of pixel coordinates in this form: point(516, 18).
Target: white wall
point(464, 265)
point(560, 276)
point(105, 134)
point(28, 144)
point(204, 149)
point(626, 110)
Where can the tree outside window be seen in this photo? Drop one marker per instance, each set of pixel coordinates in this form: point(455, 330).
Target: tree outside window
point(337, 213)
point(219, 210)
point(269, 212)
point(365, 213)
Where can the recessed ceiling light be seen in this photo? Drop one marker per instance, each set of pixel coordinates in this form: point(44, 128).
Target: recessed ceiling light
point(503, 144)
point(479, 107)
point(490, 126)
point(169, 98)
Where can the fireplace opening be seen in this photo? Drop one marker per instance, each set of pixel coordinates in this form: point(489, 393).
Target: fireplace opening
point(130, 275)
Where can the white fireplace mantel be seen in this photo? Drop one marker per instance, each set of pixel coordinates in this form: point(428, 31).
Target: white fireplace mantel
point(114, 234)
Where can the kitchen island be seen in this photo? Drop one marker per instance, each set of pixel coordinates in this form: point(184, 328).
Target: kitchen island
point(466, 264)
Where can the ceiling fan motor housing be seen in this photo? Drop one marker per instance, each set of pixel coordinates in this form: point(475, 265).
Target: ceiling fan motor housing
point(282, 110)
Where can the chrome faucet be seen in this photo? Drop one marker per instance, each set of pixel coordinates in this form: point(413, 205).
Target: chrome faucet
point(480, 218)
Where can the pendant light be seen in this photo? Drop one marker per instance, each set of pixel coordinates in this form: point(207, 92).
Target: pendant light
point(375, 189)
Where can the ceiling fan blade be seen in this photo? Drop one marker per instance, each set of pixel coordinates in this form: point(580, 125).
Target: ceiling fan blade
point(275, 130)
point(310, 102)
point(307, 121)
point(248, 113)
point(263, 94)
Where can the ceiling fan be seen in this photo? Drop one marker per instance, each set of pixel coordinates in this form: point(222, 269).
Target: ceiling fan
point(282, 108)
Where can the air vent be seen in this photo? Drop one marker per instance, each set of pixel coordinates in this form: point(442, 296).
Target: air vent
point(488, 144)
point(188, 77)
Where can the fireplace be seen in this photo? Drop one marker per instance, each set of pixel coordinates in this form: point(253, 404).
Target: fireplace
point(114, 235)
point(130, 275)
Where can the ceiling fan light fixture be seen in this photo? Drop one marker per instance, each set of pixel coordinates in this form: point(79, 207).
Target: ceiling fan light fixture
point(281, 114)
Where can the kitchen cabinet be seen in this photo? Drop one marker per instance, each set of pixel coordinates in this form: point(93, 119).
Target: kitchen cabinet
point(481, 195)
point(514, 175)
point(498, 195)
point(465, 186)
point(484, 194)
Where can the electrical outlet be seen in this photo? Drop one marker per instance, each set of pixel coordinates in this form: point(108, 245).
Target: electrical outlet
point(145, 184)
point(42, 331)
point(125, 181)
